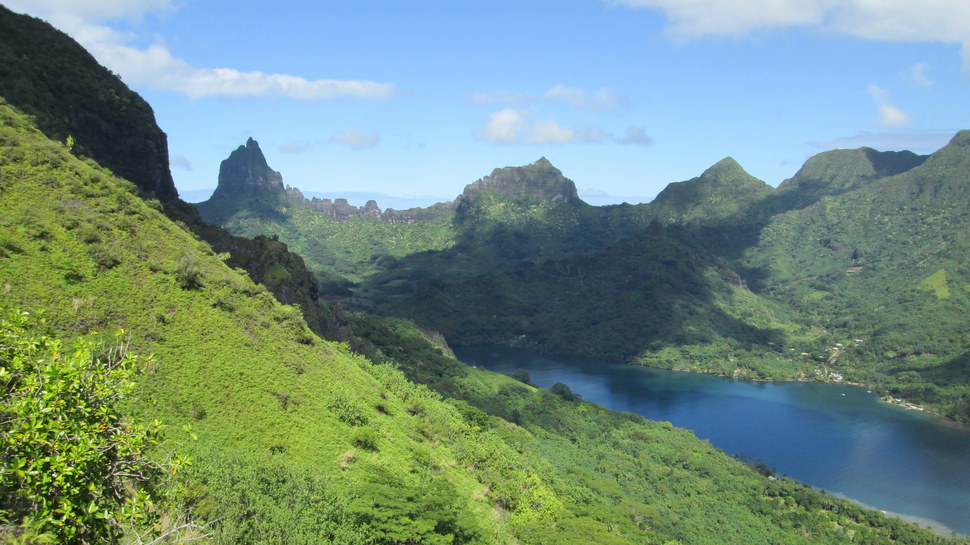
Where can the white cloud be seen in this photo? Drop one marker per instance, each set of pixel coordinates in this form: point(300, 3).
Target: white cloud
point(356, 139)
point(157, 68)
point(504, 126)
point(946, 21)
point(889, 115)
point(550, 132)
point(602, 99)
point(511, 126)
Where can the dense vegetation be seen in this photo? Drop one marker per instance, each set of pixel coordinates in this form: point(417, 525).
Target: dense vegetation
point(75, 469)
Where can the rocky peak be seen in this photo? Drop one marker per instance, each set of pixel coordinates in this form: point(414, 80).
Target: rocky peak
point(537, 181)
point(245, 171)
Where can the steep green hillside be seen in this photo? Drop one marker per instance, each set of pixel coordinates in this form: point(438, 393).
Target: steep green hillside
point(885, 264)
point(259, 389)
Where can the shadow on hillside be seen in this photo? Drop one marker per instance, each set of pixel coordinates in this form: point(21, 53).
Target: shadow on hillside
point(645, 292)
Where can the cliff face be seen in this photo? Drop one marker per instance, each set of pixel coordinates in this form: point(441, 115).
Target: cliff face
point(45, 73)
point(245, 172)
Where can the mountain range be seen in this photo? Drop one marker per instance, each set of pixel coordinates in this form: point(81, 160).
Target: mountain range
point(721, 273)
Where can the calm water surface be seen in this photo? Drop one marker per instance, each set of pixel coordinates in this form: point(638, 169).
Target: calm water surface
point(838, 438)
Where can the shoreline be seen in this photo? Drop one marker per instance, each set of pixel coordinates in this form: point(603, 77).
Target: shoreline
point(931, 524)
point(885, 398)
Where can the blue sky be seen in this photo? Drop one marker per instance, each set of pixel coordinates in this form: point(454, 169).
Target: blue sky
point(624, 96)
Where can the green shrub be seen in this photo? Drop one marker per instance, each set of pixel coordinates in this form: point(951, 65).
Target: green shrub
point(75, 469)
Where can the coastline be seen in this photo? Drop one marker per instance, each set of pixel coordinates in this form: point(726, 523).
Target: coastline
point(885, 398)
point(932, 524)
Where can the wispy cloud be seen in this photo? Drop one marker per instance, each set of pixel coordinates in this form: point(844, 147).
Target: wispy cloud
point(296, 146)
point(156, 67)
point(635, 135)
point(918, 76)
point(946, 21)
point(356, 139)
point(601, 99)
point(516, 126)
point(919, 142)
point(180, 161)
point(889, 115)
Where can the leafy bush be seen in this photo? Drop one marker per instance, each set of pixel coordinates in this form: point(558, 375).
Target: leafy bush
point(75, 469)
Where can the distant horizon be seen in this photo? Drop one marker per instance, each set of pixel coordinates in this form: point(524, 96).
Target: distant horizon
point(404, 201)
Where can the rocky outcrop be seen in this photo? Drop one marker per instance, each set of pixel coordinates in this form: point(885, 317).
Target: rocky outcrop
point(245, 172)
point(341, 210)
point(539, 181)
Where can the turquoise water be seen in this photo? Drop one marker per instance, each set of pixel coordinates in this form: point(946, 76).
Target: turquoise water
point(842, 439)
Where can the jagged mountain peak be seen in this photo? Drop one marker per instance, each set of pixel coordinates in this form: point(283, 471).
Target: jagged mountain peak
point(246, 171)
point(542, 162)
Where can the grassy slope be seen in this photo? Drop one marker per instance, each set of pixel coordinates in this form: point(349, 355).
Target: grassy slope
point(301, 441)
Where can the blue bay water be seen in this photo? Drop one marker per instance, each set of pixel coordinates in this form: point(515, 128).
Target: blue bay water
point(842, 439)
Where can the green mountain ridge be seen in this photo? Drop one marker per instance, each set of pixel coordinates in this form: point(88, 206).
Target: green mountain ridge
point(886, 263)
point(493, 271)
point(838, 171)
